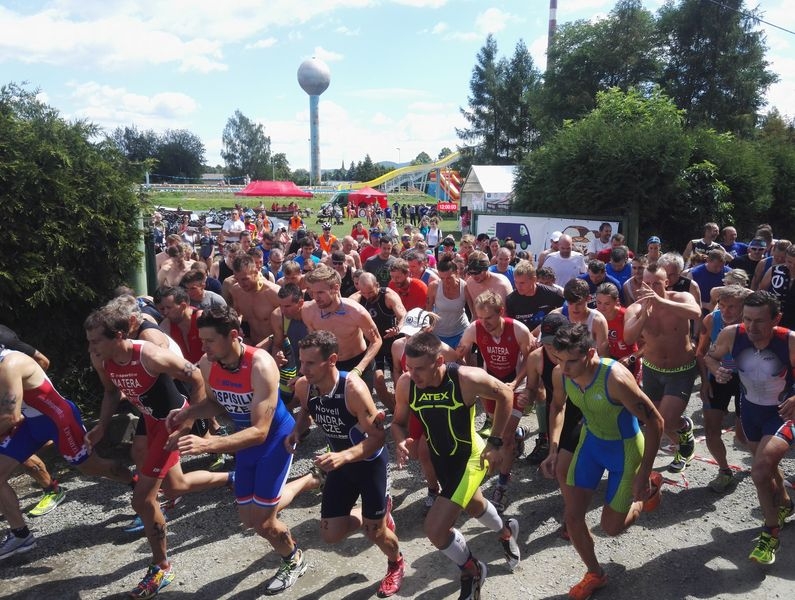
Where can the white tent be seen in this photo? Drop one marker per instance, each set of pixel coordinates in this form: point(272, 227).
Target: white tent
point(488, 187)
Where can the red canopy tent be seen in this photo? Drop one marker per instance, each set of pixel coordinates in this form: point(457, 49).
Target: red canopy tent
point(368, 195)
point(273, 188)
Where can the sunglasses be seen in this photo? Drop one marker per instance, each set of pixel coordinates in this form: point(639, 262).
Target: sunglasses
point(337, 263)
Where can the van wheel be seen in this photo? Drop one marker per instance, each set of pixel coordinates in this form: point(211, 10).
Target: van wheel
point(523, 245)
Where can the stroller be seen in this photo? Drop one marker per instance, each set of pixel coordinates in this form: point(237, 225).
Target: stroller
point(328, 211)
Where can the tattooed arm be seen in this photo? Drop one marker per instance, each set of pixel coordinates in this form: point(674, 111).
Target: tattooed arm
point(11, 390)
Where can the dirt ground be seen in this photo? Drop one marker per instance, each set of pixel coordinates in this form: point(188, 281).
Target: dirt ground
point(695, 545)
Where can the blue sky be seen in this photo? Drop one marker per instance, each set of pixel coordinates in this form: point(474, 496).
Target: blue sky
point(400, 69)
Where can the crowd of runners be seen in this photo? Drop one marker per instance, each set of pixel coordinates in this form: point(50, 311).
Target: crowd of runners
point(278, 336)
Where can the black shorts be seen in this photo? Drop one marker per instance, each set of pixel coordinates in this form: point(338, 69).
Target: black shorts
point(383, 359)
point(368, 375)
point(722, 393)
point(367, 479)
point(572, 425)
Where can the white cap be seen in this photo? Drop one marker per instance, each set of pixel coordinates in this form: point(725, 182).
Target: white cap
point(555, 236)
point(416, 319)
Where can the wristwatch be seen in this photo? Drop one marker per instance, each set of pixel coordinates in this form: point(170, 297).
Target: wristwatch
point(494, 441)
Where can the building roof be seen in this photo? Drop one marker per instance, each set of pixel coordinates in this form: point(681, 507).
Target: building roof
point(483, 179)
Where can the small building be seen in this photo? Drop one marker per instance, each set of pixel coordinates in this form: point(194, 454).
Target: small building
point(488, 188)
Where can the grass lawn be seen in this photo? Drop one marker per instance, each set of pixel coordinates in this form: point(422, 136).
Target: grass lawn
point(198, 201)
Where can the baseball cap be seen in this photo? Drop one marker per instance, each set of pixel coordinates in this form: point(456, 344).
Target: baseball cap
point(550, 325)
point(757, 243)
point(555, 236)
point(415, 320)
point(653, 240)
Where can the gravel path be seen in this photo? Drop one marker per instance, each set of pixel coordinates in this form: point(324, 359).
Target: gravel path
point(694, 546)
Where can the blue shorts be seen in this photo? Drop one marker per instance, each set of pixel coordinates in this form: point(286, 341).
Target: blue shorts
point(367, 479)
point(620, 458)
point(758, 420)
point(261, 471)
point(34, 432)
point(452, 340)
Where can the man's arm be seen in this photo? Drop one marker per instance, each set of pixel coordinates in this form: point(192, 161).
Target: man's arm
point(431, 301)
point(557, 411)
point(11, 390)
point(600, 334)
point(302, 419)
point(475, 382)
point(759, 272)
point(111, 396)
point(158, 360)
point(464, 347)
point(395, 304)
point(526, 341)
point(371, 336)
point(714, 356)
point(400, 421)
point(360, 404)
point(701, 352)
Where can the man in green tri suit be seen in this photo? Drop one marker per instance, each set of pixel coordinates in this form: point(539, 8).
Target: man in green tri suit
point(442, 396)
point(611, 440)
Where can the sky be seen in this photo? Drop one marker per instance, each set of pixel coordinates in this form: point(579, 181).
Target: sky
point(400, 69)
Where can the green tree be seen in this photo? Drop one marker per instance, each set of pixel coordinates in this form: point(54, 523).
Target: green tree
point(482, 113)
point(246, 148)
point(71, 229)
point(444, 152)
point(366, 170)
point(624, 158)
point(519, 94)
point(585, 58)
point(715, 62)
point(180, 156)
point(300, 177)
point(776, 141)
point(422, 159)
point(281, 167)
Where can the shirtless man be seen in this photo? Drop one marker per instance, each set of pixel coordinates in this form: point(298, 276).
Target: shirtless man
point(662, 319)
point(480, 279)
point(175, 268)
point(356, 332)
point(161, 257)
point(254, 298)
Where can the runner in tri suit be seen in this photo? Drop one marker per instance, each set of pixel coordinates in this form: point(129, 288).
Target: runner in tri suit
point(504, 345)
point(442, 395)
point(243, 381)
point(765, 357)
point(32, 413)
point(611, 440)
point(717, 396)
point(288, 330)
point(608, 303)
point(144, 374)
point(356, 461)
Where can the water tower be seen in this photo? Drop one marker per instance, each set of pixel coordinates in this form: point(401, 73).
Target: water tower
point(314, 78)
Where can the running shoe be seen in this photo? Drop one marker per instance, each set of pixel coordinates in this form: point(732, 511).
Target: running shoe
point(724, 482)
point(154, 581)
point(687, 448)
point(135, 526)
point(390, 584)
point(765, 551)
point(48, 503)
point(588, 585)
point(499, 497)
point(170, 503)
point(318, 474)
point(784, 512)
point(390, 522)
point(429, 500)
point(510, 546)
point(12, 545)
point(471, 584)
point(287, 574)
point(220, 463)
point(485, 431)
point(540, 451)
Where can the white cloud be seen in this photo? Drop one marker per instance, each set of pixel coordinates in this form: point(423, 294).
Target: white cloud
point(343, 30)
point(263, 43)
point(440, 27)
point(463, 36)
point(327, 55)
point(422, 3)
point(112, 107)
point(493, 20)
